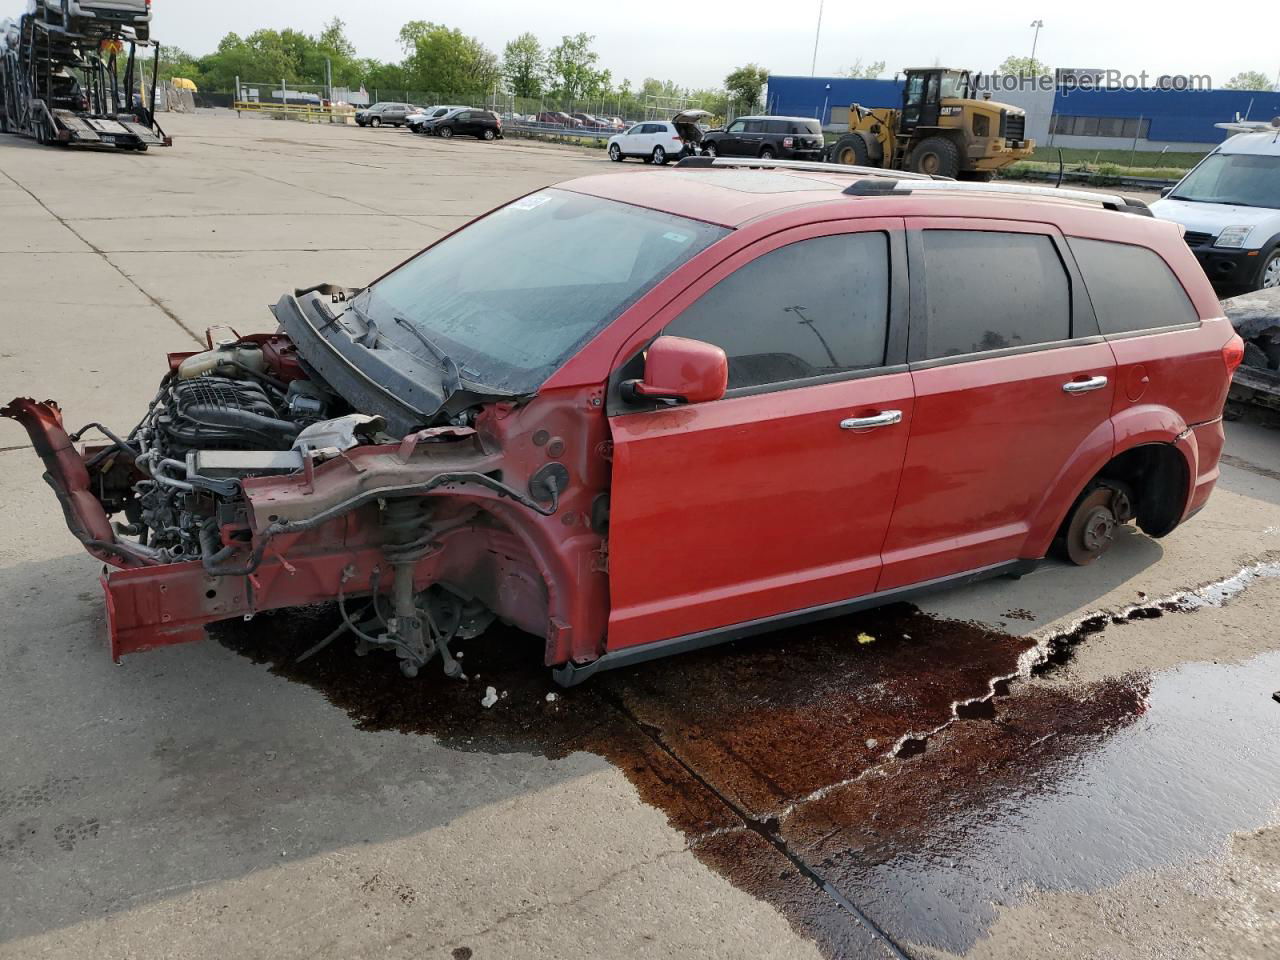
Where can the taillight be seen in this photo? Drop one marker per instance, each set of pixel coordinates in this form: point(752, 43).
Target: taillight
point(1233, 354)
point(676, 140)
point(787, 142)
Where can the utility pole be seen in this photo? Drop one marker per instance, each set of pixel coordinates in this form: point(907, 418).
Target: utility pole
point(1035, 39)
point(813, 68)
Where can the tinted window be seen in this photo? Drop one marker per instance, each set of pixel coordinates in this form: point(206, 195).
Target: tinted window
point(652, 128)
point(754, 126)
point(775, 126)
point(988, 290)
point(812, 128)
point(1131, 287)
point(812, 308)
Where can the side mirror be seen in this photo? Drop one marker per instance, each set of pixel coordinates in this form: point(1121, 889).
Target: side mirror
point(682, 370)
point(1165, 191)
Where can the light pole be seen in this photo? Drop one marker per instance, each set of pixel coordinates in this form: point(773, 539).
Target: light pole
point(813, 68)
point(1035, 39)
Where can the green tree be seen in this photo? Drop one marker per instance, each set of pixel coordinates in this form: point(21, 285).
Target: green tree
point(861, 71)
point(744, 86)
point(262, 57)
point(1023, 67)
point(1249, 80)
point(571, 68)
point(447, 62)
point(524, 66)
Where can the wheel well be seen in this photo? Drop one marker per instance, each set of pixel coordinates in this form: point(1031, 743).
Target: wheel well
point(1157, 476)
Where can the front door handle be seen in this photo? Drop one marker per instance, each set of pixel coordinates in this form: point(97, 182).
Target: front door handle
point(885, 418)
point(1084, 386)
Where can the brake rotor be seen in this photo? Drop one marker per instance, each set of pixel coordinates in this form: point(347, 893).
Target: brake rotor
point(1093, 527)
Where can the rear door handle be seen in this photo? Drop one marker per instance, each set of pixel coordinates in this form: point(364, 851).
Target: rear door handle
point(886, 418)
point(1084, 386)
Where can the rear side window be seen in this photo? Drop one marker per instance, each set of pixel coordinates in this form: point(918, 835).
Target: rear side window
point(755, 126)
point(813, 308)
point(775, 126)
point(1132, 288)
point(987, 290)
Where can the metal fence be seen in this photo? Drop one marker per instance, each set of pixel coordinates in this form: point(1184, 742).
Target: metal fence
point(593, 119)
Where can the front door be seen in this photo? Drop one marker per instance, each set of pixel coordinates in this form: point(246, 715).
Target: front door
point(776, 498)
point(730, 144)
point(1014, 388)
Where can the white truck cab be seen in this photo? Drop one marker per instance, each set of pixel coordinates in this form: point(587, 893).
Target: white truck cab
point(1229, 205)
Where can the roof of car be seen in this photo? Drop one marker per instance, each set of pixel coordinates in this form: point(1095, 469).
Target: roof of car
point(1264, 142)
point(733, 197)
point(769, 117)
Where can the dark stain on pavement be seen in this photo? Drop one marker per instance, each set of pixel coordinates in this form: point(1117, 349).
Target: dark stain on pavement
point(883, 780)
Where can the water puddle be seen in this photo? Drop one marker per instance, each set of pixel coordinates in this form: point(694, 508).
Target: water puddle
point(885, 772)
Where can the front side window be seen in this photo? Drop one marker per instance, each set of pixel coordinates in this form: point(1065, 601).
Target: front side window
point(638, 128)
point(737, 126)
point(513, 295)
point(1246, 179)
point(810, 309)
point(1131, 287)
point(987, 290)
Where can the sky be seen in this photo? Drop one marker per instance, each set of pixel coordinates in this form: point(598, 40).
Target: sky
point(698, 43)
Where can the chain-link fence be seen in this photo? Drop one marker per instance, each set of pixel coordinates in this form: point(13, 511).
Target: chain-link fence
point(585, 118)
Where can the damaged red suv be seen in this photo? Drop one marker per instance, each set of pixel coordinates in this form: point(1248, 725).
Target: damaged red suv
point(690, 406)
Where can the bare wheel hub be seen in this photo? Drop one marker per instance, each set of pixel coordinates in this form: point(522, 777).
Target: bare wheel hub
point(1092, 529)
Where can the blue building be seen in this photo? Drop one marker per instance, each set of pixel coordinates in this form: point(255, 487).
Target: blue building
point(1099, 119)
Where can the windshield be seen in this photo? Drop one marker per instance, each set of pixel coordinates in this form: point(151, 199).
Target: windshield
point(1247, 179)
point(512, 296)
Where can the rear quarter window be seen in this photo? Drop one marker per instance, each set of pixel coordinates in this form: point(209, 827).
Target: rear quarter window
point(1131, 287)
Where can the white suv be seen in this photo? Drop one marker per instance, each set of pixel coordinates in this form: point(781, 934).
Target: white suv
point(653, 141)
point(1229, 205)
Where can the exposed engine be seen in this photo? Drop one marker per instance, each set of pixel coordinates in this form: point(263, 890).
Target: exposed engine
point(221, 416)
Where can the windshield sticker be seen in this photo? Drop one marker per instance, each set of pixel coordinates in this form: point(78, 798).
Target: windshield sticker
point(530, 203)
point(676, 237)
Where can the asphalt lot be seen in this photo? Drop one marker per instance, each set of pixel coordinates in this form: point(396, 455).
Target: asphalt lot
point(927, 793)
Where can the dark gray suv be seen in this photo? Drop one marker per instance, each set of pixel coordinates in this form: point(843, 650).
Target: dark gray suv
point(391, 113)
point(783, 138)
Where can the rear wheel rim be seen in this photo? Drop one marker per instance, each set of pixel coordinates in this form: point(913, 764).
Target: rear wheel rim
point(1271, 273)
point(659, 155)
point(488, 134)
point(766, 154)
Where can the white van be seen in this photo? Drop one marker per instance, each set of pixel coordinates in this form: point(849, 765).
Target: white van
point(1229, 205)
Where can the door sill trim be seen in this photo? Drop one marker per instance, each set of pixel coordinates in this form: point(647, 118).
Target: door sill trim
point(572, 674)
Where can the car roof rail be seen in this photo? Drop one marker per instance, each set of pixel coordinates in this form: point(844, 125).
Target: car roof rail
point(895, 187)
point(754, 163)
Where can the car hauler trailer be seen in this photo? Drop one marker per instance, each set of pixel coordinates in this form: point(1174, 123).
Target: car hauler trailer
point(70, 78)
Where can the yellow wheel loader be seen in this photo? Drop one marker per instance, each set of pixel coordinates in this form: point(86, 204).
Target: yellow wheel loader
point(942, 129)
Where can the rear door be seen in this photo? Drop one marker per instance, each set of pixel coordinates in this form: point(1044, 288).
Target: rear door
point(1014, 389)
point(776, 498)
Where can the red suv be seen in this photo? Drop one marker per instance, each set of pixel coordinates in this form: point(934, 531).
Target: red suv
point(692, 406)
